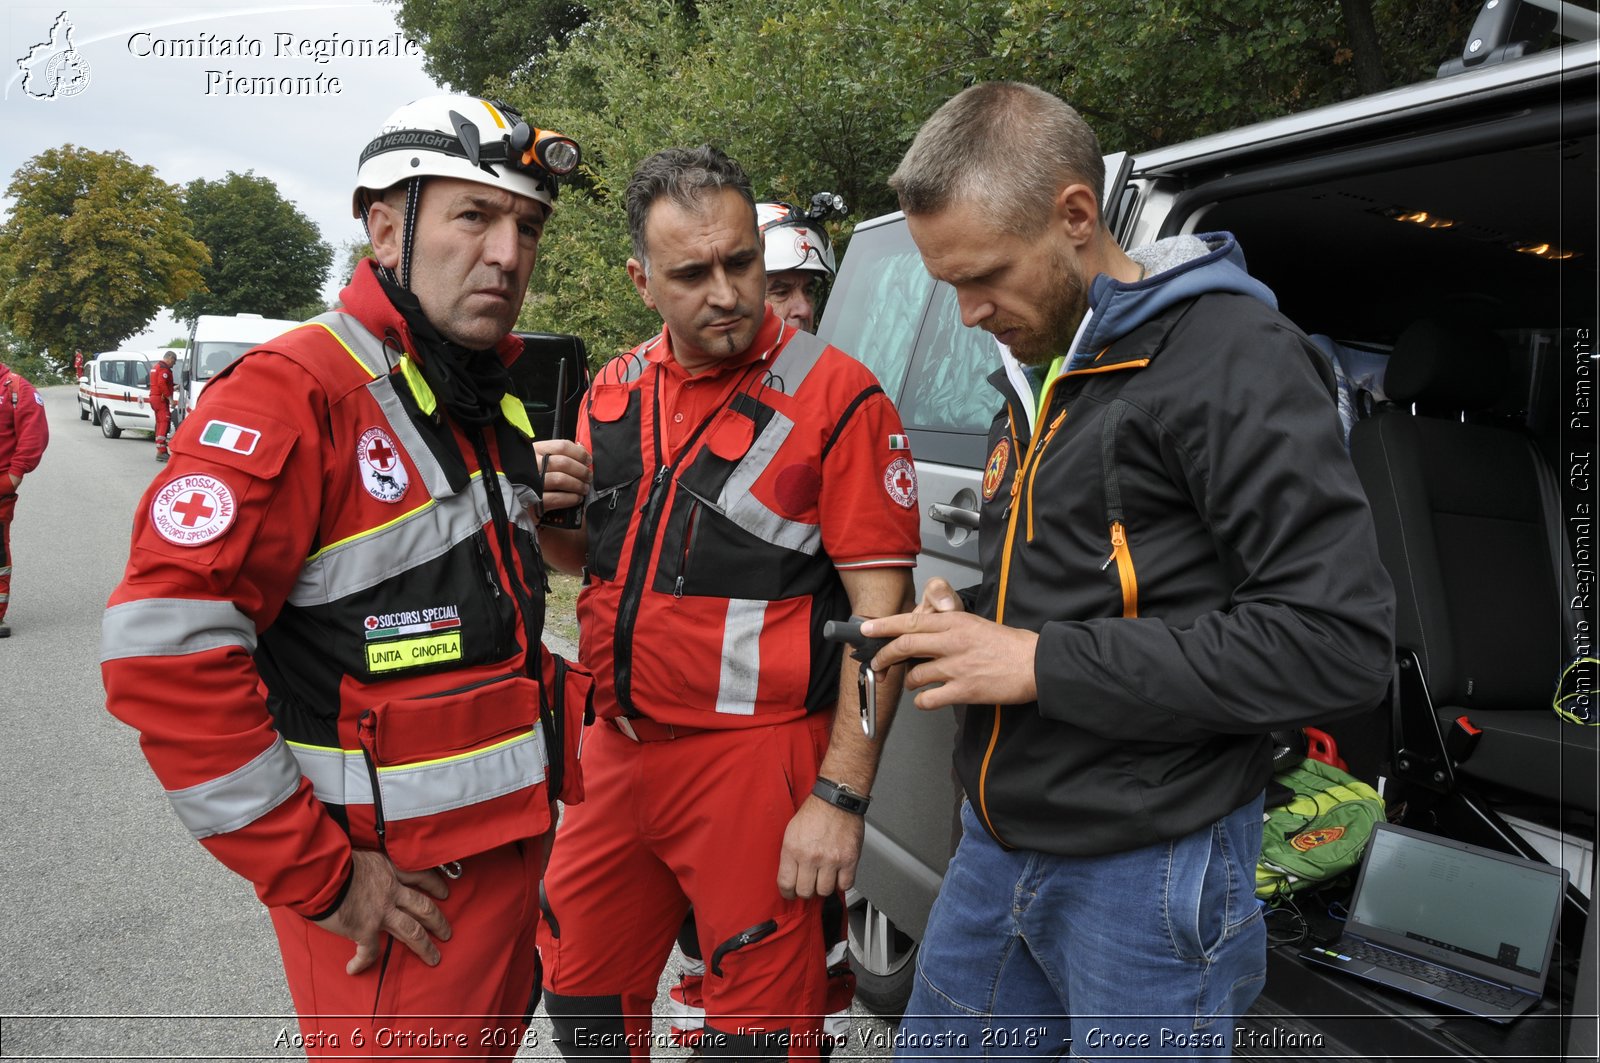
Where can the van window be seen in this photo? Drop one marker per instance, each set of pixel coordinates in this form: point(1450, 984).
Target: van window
point(875, 319)
point(950, 391)
point(213, 356)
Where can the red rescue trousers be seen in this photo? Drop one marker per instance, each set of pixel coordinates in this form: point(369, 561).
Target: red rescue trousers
point(700, 819)
point(473, 1005)
point(8, 508)
point(163, 414)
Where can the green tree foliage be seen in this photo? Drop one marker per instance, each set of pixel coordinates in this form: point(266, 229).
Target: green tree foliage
point(267, 258)
point(825, 95)
point(467, 45)
point(1162, 71)
point(33, 366)
point(94, 247)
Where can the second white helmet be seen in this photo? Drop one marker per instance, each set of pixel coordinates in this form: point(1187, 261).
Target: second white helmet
point(796, 239)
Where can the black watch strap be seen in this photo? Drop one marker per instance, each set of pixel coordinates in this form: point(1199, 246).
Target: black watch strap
point(839, 795)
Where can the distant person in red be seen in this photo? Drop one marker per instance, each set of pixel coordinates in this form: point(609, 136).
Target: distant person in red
point(23, 435)
point(162, 390)
point(77, 364)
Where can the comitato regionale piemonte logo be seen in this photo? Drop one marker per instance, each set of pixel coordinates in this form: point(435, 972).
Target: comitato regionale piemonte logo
point(54, 69)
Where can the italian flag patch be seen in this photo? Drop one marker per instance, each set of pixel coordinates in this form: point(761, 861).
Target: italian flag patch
point(225, 436)
point(899, 443)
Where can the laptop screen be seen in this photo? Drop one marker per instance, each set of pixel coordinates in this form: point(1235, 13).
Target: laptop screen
point(1459, 904)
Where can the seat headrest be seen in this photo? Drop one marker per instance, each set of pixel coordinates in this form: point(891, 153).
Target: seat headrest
point(1449, 366)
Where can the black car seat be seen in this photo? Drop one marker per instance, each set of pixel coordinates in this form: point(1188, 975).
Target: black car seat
point(1469, 527)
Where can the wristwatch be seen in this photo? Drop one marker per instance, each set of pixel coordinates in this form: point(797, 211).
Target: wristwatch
point(842, 796)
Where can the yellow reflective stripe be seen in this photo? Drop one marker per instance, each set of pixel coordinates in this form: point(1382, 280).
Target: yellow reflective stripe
point(419, 387)
point(494, 113)
point(340, 341)
point(374, 531)
point(512, 410)
point(461, 756)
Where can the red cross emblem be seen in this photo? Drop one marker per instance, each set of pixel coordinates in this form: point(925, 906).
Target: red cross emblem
point(900, 480)
point(380, 454)
point(193, 509)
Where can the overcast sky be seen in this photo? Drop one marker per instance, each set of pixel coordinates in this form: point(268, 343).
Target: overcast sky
point(147, 94)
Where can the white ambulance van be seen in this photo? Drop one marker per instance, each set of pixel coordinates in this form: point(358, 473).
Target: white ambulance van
point(214, 344)
point(114, 391)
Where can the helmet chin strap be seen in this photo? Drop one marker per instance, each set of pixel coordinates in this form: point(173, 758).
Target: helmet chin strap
point(408, 235)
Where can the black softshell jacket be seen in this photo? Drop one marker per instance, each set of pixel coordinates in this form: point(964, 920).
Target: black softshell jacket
point(1247, 595)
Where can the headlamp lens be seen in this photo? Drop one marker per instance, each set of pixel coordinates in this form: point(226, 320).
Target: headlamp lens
point(556, 153)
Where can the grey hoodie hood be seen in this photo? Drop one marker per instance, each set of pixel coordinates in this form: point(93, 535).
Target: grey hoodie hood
point(1176, 269)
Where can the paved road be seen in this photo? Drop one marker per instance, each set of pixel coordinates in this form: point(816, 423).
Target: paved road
point(120, 938)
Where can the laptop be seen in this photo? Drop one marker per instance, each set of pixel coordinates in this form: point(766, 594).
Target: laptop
point(1461, 926)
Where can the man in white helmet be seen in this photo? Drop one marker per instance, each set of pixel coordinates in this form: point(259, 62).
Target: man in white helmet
point(328, 633)
point(799, 256)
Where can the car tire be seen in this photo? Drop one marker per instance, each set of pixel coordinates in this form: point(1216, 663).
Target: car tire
point(108, 424)
point(83, 413)
point(883, 957)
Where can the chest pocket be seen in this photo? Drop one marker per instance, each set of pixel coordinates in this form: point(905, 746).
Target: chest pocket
point(716, 516)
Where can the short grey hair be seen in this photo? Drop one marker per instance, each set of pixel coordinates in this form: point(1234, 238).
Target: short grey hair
point(1004, 148)
point(686, 176)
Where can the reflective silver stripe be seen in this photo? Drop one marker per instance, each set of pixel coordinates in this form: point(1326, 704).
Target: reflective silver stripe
point(375, 358)
point(340, 777)
point(795, 362)
point(741, 656)
point(425, 533)
point(409, 437)
point(367, 348)
point(748, 512)
point(173, 627)
point(240, 797)
point(442, 786)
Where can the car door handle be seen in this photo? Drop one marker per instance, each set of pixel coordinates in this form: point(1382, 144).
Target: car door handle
point(961, 518)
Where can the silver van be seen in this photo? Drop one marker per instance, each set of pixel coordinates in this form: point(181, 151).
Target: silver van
point(1470, 197)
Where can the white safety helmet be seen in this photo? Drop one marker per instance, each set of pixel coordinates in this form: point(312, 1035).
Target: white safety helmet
point(466, 138)
point(796, 239)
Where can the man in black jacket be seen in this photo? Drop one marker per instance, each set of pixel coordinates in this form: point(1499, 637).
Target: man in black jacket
point(1177, 559)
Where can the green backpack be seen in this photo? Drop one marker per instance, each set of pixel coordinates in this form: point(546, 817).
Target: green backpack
point(1318, 835)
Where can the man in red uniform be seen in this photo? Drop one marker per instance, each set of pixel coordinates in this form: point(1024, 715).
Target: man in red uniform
point(24, 433)
point(162, 390)
point(798, 256)
point(748, 488)
point(328, 632)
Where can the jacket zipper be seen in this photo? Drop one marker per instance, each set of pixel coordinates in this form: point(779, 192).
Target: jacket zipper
point(1031, 465)
point(1034, 447)
point(367, 730)
point(1109, 476)
point(739, 941)
point(692, 525)
point(486, 563)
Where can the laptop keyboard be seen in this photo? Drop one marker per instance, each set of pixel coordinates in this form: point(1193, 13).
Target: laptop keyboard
point(1487, 992)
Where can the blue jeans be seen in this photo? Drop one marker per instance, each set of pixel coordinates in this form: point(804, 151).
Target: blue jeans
point(1148, 953)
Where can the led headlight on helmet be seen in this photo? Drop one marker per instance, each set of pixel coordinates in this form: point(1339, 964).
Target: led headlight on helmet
point(548, 150)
